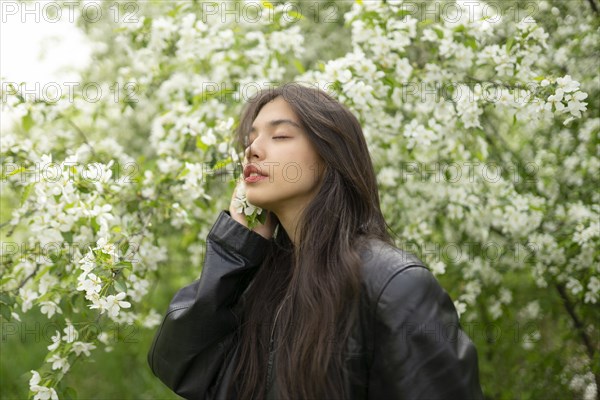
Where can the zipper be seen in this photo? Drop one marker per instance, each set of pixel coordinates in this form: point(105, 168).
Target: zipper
point(270, 366)
point(271, 350)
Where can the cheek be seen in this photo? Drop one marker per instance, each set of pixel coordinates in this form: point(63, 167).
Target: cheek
point(313, 168)
point(302, 172)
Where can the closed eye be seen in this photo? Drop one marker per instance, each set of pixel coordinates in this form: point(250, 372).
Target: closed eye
point(280, 137)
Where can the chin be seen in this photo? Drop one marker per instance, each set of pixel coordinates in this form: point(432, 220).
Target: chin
point(257, 201)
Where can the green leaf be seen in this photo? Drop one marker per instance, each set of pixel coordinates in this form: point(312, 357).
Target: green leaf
point(200, 144)
point(509, 44)
point(471, 42)
point(27, 121)
point(123, 248)
point(6, 299)
point(183, 173)
point(295, 14)
point(5, 279)
point(221, 164)
point(120, 285)
point(26, 193)
point(124, 264)
point(70, 394)
point(403, 13)
point(95, 225)
point(5, 311)
point(262, 217)
point(45, 297)
point(16, 171)
point(67, 236)
point(299, 66)
point(102, 257)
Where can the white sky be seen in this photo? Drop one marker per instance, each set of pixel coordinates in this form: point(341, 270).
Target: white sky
point(41, 51)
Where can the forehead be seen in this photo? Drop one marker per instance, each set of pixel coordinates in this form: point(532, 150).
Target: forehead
point(275, 113)
point(275, 109)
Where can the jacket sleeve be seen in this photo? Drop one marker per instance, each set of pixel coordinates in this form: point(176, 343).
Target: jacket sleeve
point(420, 350)
point(195, 336)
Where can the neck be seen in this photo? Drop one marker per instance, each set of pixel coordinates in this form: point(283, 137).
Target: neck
point(289, 218)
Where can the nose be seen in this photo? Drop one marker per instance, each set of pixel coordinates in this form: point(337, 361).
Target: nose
point(253, 151)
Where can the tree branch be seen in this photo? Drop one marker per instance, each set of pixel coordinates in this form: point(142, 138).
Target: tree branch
point(576, 321)
point(595, 8)
point(580, 328)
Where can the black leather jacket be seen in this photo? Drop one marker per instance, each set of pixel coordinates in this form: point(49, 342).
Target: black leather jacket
point(407, 345)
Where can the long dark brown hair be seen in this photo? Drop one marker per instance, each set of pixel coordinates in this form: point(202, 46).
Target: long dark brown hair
point(319, 278)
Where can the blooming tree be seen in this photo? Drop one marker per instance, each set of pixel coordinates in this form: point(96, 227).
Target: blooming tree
point(481, 119)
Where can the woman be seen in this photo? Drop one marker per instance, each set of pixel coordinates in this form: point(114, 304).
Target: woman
point(317, 303)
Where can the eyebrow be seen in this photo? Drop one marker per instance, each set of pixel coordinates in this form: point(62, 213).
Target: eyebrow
point(276, 122)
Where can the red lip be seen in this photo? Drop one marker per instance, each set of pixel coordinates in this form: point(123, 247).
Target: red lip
point(250, 168)
point(255, 178)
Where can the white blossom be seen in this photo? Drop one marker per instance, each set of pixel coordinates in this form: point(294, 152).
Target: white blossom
point(71, 333)
point(111, 304)
point(82, 347)
point(89, 283)
point(567, 84)
point(59, 362)
point(55, 342)
point(460, 307)
point(27, 297)
point(41, 392)
point(241, 204)
point(593, 286)
point(438, 268)
point(574, 286)
point(49, 308)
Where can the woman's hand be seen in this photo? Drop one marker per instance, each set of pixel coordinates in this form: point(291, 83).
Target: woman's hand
point(265, 230)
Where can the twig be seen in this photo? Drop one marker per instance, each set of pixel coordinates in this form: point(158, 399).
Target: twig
point(142, 230)
point(81, 133)
point(10, 232)
point(37, 267)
